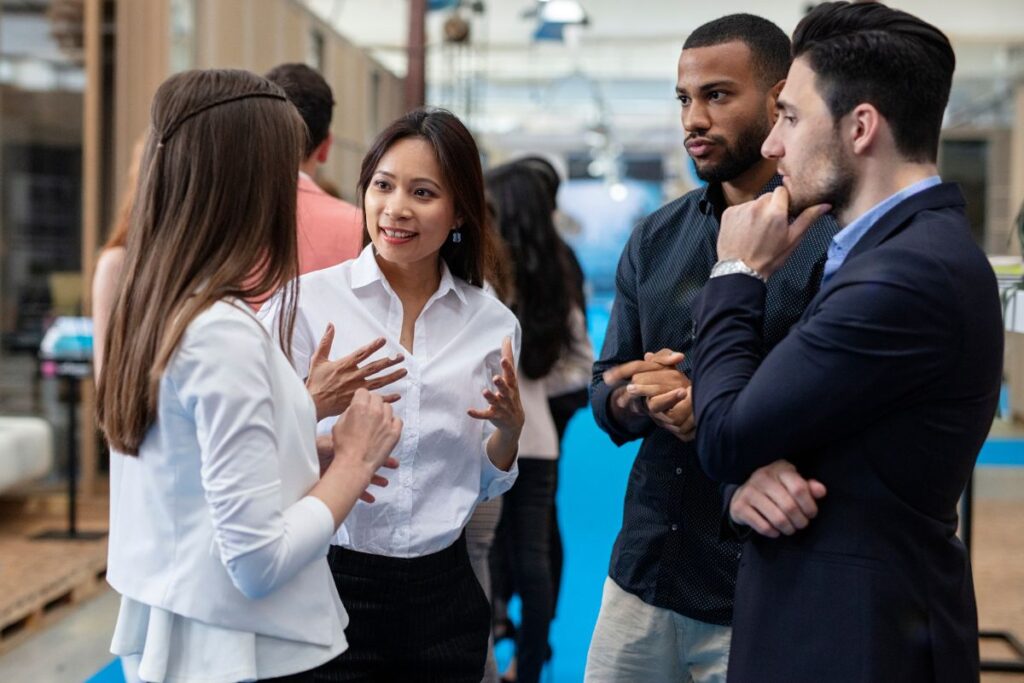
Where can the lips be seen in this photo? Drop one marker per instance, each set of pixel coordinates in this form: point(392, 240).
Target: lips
point(699, 148)
point(395, 235)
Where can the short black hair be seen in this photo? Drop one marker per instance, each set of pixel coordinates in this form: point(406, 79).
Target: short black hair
point(869, 53)
point(311, 95)
point(769, 45)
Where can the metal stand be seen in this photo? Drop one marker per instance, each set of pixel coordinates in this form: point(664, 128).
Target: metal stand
point(72, 372)
point(1015, 665)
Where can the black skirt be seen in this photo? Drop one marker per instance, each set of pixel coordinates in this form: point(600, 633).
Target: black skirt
point(422, 619)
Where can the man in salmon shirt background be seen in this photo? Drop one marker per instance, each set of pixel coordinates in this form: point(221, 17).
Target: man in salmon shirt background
point(329, 230)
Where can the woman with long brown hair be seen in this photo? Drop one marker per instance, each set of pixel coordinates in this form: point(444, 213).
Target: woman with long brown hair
point(401, 566)
point(219, 516)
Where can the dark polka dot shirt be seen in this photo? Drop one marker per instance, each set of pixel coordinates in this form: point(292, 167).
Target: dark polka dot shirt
point(672, 550)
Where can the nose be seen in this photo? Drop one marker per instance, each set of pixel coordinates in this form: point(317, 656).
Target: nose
point(695, 117)
point(772, 147)
point(396, 208)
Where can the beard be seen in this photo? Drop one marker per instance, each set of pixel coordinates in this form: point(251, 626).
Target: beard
point(833, 184)
point(739, 156)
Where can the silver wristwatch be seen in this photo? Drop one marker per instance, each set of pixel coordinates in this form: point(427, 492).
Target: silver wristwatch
point(735, 265)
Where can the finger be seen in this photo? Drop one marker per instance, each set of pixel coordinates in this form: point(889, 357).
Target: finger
point(508, 370)
point(323, 349)
point(621, 373)
point(480, 414)
point(361, 397)
point(367, 497)
point(662, 402)
point(668, 357)
point(743, 513)
point(364, 352)
point(390, 398)
point(379, 365)
point(646, 390)
point(798, 488)
point(768, 509)
point(390, 462)
point(384, 380)
point(377, 480)
point(786, 506)
point(506, 351)
point(818, 489)
point(492, 397)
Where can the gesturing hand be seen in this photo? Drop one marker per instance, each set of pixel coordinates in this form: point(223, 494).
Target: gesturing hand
point(776, 500)
point(333, 383)
point(665, 393)
point(759, 232)
point(363, 438)
point(504, 410)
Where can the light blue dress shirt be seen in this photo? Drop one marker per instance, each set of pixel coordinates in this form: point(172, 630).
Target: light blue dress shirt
point(847, 238)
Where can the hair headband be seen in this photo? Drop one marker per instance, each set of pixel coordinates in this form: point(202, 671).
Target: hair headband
point(216, 103)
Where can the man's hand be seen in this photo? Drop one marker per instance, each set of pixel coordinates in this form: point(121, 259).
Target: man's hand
point(759, 232)
point(665, 394)
point(776, 500)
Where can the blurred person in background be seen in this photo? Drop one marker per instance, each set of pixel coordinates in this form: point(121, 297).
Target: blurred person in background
point(329, 230)
point(554, 331)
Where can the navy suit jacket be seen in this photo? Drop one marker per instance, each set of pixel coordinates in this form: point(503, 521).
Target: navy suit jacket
point(884, 391)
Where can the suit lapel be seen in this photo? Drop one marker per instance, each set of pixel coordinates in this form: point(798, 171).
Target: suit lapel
point(944, 196)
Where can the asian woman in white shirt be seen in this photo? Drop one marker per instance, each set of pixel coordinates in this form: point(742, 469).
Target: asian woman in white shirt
point(220, 519)
point(400, 565)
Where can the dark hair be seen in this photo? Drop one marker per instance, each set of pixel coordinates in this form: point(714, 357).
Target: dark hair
point(541, 299)
point(769, 45)
point(311, 95)
point(474, 257)
point(867, 52)
point(547, 173)
point(213, 218)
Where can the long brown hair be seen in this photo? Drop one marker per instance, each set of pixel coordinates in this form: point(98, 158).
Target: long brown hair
point(475, 257)
point(213, 218)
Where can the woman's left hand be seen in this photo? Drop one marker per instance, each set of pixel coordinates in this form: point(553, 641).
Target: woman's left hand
point(505, 410)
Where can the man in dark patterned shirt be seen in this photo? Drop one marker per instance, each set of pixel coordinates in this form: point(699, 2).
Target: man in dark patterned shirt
point(667, 605)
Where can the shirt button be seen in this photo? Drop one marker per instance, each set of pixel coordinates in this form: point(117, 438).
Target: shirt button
point(679, 470)
point(675, 527)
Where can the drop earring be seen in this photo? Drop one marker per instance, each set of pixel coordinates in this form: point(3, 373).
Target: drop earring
point(456, 236)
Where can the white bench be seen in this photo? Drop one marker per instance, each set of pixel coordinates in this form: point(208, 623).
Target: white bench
point(26, 450)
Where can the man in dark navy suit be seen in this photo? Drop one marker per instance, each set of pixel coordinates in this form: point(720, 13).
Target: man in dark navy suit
point(880, 397)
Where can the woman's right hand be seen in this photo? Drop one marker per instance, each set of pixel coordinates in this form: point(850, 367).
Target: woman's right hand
point(332, 384)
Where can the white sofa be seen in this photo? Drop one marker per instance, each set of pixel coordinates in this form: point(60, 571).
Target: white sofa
point(26, 450)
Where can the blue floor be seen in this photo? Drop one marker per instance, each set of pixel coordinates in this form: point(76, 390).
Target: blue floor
point(592, 484)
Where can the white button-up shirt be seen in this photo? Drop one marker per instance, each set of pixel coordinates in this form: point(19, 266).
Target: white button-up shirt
point(444, 470)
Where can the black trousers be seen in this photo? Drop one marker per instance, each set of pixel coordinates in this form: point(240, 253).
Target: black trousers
point(522, 549)
point(422, 619)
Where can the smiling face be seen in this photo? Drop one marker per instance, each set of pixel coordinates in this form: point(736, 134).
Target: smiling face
point(726, 110)
point(409, 209)
point(816, 165)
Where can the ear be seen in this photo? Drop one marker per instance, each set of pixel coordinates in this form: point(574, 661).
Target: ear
point(323, 149)
point(864, 126)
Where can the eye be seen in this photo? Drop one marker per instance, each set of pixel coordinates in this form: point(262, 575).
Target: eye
point(683, 99)
point(789, 119)
point(715, 95)
point(381, 184)
point(423, 192)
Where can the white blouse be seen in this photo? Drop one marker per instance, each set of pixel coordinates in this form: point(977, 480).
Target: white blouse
point(219, 554)
point(444, 470)
point(571, 372)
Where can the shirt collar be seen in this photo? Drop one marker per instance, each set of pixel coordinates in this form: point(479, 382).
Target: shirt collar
point(846, 239)
point(366, 271)
point(712, 200)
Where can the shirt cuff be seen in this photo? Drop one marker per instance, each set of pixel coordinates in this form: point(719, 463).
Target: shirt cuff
point(493, 481)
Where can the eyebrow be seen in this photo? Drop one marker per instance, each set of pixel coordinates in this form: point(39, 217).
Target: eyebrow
point(783, 105)
point(706, 87)
point(415, 180)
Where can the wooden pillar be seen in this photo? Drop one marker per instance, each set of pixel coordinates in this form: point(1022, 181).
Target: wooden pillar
point(92, 212)
point(415, 79)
